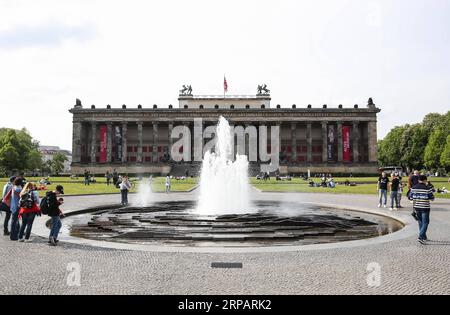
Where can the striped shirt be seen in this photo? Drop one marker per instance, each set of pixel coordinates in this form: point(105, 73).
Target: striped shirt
point(421, 194)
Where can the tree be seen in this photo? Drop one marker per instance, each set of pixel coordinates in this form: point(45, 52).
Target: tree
point(57, 162)
point(445, 156)
point(18, 151)
point(434, 149)
point(389, 149)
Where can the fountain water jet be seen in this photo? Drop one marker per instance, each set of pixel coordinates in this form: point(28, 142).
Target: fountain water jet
point(145, 193)
point(224, 187)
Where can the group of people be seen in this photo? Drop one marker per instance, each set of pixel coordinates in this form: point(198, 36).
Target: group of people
point(420, 193)
point(21, 204)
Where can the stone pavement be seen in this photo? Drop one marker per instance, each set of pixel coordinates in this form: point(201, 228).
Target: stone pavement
point(406, 267)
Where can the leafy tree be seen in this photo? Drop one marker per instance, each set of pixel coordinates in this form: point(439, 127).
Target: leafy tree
point(18, 151)
point(434, 149)
point(389, 149)
point(57, 163)
point(445, 156)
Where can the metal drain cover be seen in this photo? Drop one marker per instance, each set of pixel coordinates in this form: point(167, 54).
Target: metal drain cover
point(222, 265)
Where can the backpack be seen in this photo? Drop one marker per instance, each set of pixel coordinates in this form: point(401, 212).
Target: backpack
point(27, 200)
point(7, 199)
point(49, 203)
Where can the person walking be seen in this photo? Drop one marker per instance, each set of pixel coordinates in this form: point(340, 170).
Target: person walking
point(394, 185)
point(6, 204)
point(383, 182)
point(421, 195)
point(50, 206)
point(125, 186)
point(15, 198)
point(167, 184)
point(29, 199)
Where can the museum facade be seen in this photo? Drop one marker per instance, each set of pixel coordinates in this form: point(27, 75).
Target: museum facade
point(140, 140)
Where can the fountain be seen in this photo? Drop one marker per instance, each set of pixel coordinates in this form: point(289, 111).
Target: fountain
point(224, 216)
point(224, 187)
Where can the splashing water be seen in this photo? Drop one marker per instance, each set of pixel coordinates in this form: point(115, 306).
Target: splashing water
point(145, 193)
point(224, 187)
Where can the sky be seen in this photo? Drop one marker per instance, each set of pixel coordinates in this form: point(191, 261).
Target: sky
point(141, 52)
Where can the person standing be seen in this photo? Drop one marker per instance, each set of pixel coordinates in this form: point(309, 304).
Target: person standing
point(50, 206)
point(15, 198)
point(400, 193)
point(413, 180)
point(115, 178)
point(395, 184)
point(6, 204)
point(87, 177)
point(28, 211)
point(108, 178)
point(383, 182)
point(167, 184)
point(124, 186)
point(421, 195)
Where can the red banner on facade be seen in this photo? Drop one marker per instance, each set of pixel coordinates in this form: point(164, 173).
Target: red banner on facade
point(103, 139)
point(346, 141)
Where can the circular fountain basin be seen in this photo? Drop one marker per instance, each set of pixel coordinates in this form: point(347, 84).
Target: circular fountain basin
point(273, 224)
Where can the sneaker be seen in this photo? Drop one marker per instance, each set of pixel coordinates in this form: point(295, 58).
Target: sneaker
point(6, 233)
point(30, 240)
point(22, 240)
point(53, 241)
point(421, 241)
point(384, 206)
point(392, 209)
point(379, 206)
point(395, 209)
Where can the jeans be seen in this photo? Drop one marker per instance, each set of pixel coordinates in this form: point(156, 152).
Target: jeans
point(86, 182)
point(383, 194)
point(15, 226)
point(399, 198)
point(424, 221)
point(6, 222)
point(27, 225)
point(56, 226)
point(124, 194)
point(394, 197)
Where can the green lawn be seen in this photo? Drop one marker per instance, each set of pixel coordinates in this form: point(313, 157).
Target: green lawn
point(77, 187)
point(299, 185)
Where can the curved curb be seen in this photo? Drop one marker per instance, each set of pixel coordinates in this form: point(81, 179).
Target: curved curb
point(407, 231)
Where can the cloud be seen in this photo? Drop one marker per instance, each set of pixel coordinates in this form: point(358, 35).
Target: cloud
point(46, 35)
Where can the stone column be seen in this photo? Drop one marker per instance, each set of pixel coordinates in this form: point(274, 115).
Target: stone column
point(139, 148)
point(109, 143)
point(94, 142)
point(340, 142)
point(324, 141)
point(355, 143)
point(309, 141)
point(155, 142)
point(294, 142)
point(124, 142)
point(76, 142)
point(170, 139)
point(372, 138)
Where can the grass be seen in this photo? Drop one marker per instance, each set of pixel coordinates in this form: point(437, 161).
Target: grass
point(77, 187)
point(299, 185)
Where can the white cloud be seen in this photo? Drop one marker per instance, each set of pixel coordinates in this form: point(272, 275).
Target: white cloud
point(141, 52)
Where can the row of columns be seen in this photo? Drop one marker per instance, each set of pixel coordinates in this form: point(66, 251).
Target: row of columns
point(77, 130)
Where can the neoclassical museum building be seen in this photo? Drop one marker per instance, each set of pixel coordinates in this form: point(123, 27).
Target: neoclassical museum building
point(139, 140)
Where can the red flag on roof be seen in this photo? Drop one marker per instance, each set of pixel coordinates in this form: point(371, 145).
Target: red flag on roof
point(225, 84)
